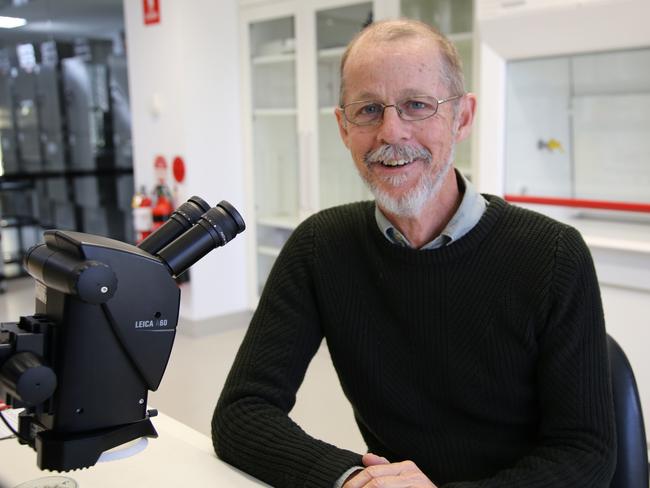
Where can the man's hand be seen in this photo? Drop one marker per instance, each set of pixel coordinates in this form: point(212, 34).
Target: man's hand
point(380, 473)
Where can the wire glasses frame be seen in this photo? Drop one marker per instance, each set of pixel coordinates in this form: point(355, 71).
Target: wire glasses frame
point(371, 112)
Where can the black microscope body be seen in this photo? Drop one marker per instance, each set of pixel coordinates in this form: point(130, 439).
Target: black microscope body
point(102, 333)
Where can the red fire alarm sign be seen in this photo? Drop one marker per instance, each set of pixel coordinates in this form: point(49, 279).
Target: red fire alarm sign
point(151, 11)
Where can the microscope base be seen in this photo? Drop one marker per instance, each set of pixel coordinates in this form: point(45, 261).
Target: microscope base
point(69, 451)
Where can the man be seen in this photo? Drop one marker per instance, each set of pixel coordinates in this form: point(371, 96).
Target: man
point(467, 333)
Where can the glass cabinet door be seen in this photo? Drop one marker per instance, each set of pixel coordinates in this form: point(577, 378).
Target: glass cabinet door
point(339, 181)
point(274, 130)
point(611, 122)
point(454, 18)
point(274, 118)
point(577, 128)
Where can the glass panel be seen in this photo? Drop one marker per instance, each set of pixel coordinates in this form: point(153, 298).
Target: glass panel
point(276, 167)
point(274, 118)
point(264, 265)
point(463, 157)
point(339, 181)
point(537, 95)
point(273, 64)
point(464, 149)
point(611, 73)
point(464, 47)
point(272, 37)
point(270, 239)
point(578, 127)
point(450, 16)
point(328, 78)
point(611, 120)
point(337, 26)
point(275, 141)
point(274, 84)
point(612, 147)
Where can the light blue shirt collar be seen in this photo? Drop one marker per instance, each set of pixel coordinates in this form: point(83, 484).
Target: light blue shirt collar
point(470, 211)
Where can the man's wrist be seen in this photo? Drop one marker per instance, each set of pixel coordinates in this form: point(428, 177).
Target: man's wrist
point(344, 477)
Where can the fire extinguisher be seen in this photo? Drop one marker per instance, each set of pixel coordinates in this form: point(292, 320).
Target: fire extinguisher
point(142, 214)
point(163, 208)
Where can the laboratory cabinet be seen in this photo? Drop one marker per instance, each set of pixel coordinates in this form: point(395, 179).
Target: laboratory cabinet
point(296, 163)
point(577, 127)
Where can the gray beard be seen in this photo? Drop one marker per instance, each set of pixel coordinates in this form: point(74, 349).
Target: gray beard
point(412, 202)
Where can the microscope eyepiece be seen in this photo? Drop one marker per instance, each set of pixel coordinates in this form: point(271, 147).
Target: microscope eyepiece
point(214, 228)
point(222, 222)
point(182, 219)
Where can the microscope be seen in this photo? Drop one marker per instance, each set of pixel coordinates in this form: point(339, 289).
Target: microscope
point(102, 333)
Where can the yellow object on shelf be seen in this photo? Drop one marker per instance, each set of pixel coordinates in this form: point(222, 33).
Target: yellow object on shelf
point(552, 145)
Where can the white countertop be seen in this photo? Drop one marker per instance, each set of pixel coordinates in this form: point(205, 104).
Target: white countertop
point(617, 231)
point(622, 236)
point(180, 456)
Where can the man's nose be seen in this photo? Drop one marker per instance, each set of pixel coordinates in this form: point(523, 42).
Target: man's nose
point(392, 129)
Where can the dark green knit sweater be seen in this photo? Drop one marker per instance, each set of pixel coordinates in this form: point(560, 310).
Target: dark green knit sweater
point(484, 362)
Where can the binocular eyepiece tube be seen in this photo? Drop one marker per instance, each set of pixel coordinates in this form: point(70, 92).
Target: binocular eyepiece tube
point(192, 231)
point(182, 219)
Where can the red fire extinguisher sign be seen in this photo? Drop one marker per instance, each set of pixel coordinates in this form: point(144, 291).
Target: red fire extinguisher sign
point(151, 12)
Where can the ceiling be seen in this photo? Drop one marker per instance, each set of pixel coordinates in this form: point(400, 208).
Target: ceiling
point(62, 19)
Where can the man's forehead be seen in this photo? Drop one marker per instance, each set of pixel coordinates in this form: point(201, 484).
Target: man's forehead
point(368, 45)
point(411, 51)
point(405, 67)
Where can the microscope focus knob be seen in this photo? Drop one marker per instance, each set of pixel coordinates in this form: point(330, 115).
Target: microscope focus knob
point(26, 378)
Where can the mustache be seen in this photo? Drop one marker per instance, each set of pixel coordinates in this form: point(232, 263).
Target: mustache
point(397, 151)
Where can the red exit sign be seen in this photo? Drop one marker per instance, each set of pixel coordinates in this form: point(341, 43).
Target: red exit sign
point(151, 12)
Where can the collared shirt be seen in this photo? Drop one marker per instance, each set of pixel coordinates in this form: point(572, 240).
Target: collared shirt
point(466, 217)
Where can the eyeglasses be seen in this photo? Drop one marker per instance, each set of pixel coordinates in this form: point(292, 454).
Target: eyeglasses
point(371, 112)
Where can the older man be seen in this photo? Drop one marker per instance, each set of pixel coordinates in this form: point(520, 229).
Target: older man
point(467, 333)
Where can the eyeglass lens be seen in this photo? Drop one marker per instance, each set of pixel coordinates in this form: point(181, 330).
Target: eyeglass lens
point(371, 112)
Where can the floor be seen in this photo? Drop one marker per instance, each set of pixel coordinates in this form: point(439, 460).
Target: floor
point(198, 368)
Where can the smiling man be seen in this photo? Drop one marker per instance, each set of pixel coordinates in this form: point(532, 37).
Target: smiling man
point(404, 150)
point(467, 333)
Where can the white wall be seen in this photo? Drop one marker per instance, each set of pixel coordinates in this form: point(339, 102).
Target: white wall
point(184, 86)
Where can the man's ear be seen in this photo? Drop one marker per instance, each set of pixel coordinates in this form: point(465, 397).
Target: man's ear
point(465, 117)
point(343, 126)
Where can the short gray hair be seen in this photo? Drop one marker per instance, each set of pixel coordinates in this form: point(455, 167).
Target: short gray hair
point(451, 70)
